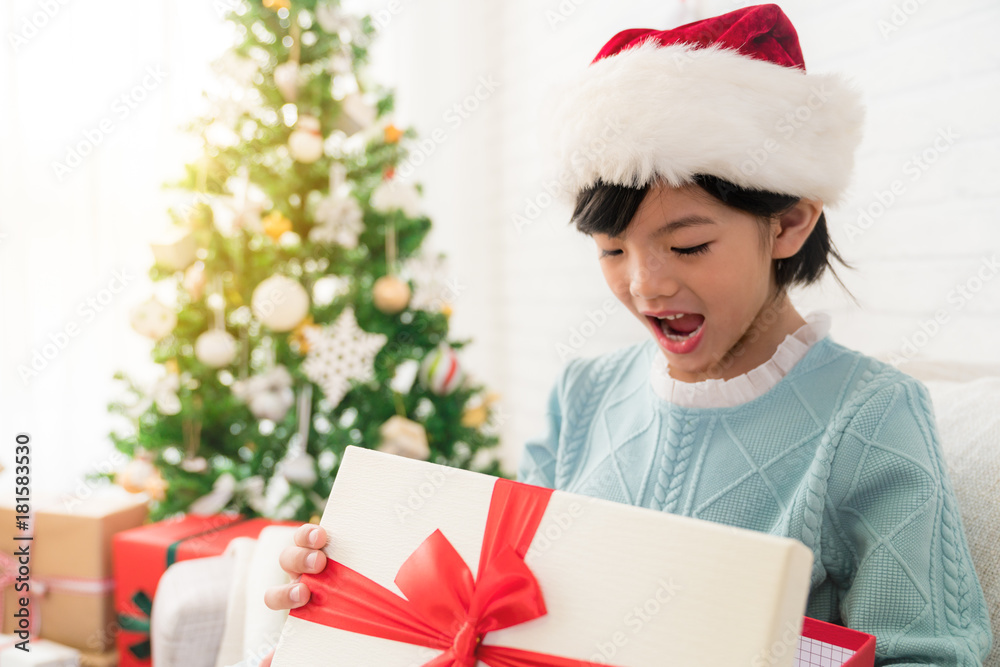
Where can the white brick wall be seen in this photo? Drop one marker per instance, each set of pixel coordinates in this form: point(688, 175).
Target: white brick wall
point(530, 287)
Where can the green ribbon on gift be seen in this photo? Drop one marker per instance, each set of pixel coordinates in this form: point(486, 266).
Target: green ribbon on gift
point(144, 604)
point(172, 549)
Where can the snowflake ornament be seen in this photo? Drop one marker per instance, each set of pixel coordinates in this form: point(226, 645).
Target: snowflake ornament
point(338, 219)
point(430, 279)
point(341, 352)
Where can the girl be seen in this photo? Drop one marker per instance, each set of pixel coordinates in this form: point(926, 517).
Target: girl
point(699, 159)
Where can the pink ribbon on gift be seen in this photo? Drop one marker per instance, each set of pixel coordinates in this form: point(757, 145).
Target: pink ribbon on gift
point(9, 566)
point(39, 587)
point(445, 607)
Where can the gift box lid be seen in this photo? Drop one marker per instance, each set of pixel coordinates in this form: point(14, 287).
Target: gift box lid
point(829, 645)
point(73, 532)
point(621, 585)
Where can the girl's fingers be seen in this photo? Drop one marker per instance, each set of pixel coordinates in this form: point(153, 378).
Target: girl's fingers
point(266, 662)
point(297, 560)
point(310, 536)
point(288, 596)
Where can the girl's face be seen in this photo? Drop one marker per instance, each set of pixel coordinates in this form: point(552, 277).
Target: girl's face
point(688, 257)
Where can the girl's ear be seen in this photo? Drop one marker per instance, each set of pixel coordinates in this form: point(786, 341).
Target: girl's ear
point(794, 227)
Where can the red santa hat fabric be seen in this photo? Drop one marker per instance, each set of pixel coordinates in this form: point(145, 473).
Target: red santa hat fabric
point(727, 96)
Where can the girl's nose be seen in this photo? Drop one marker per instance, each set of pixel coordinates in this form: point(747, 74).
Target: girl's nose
point(650, 279)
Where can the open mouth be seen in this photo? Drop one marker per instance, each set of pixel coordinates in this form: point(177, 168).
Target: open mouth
point(678, 327)
point(679, 334)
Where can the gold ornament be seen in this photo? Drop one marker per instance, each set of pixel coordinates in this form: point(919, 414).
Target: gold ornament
point(172, 366)
point(446, 309)
point(277, 4)
point(156, 487)
point(298, 337)
point(392, 134)
point(476, 416)
point(134, 476)
point(275, 224)
point(404, 437)
point(390, 294)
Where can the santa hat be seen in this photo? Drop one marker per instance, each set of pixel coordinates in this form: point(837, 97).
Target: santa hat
point(726, 96)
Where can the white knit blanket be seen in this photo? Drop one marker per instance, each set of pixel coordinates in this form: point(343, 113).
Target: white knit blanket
point(968, 418)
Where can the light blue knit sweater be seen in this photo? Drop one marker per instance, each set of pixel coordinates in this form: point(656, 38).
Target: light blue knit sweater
point(842, 454)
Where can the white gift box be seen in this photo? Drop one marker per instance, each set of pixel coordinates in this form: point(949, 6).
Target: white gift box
point(621, 585)
point(40, 653)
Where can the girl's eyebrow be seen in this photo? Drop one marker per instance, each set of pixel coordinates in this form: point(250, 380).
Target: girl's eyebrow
point(681, 223)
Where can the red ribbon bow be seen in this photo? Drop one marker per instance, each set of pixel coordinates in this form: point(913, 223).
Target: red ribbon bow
point(446, 608)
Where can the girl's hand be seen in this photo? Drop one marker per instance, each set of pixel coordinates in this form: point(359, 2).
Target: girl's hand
point(305, 556)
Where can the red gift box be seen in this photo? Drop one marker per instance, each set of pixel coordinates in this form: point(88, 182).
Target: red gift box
point(861, 644)
point(141, 556)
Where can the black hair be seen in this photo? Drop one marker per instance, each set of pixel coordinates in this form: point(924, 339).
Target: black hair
point(608, 209)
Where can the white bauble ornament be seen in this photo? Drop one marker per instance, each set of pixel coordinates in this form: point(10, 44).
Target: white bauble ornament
point(440, 371)
point(404, 437)
point(153, 319)
point(328, 288)
point(175, 250)
point(391, 194)
point(197, 464)
point(299, 469)
point(390, 294)
point(305, 144)
point(215, 348)
point(286, 78)
point(405, 375)
point(269, 395)
point(280, 303)
point(356, 114)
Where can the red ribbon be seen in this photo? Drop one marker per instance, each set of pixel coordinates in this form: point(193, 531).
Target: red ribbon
point(446, 608)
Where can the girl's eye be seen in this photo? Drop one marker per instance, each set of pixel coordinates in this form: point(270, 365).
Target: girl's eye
point(693, 250)
point(610, 253)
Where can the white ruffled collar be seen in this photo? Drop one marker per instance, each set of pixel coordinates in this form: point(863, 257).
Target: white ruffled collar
point(717, 393)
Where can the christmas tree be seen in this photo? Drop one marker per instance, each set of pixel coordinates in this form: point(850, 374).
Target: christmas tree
point(307, 316)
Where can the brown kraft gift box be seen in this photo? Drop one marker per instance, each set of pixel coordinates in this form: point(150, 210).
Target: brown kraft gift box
point(71, 581)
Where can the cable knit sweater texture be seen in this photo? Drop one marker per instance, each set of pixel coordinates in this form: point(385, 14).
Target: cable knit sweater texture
point(841, 453)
